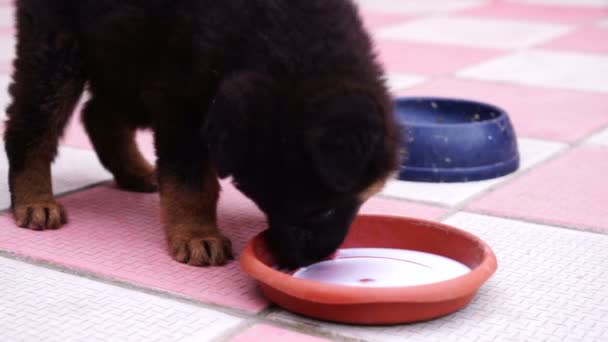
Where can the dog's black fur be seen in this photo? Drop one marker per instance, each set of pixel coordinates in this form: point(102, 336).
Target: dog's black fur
point(285, 96)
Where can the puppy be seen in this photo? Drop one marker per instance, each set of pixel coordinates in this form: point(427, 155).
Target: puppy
point(284, 96)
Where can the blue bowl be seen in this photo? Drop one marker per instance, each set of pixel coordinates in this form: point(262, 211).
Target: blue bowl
point(450, 140)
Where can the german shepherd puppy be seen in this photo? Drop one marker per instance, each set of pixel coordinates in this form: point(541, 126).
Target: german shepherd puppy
point(284, 96)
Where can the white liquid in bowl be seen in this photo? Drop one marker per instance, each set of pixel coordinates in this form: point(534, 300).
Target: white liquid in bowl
point(383, 267)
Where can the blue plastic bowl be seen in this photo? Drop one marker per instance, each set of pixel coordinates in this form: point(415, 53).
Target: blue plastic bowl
point(450, 140)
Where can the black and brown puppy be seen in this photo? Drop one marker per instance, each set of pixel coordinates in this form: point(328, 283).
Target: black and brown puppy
point(285, 96)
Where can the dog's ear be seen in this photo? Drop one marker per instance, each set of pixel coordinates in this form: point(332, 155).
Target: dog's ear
point(226, 124)
point(345, 140)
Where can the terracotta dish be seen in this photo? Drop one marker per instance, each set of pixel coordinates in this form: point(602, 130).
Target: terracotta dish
point(364, 299)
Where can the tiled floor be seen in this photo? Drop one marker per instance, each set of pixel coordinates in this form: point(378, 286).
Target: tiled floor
point(552, 285)
point(107, 276)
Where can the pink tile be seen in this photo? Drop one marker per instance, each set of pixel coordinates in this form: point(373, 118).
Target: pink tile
point(568, 191)
point(543, 113)
point(6, 67)
point(375, 20)
point(75, 135)
point(589, 39)
point(384, 206)
point(429, 59)
point(536, 13)
point(268, 333)
point(117, 234)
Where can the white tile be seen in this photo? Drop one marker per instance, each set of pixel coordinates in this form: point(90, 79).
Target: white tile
point(603, 23)
point(475, 32)
point(416, 6)
point(531, 151)
point(575, 3)
point(574, 71)
point(551, 285)
point(7, 48)
point(38, 304)
point(5, 99)
point(73, 169)
point(600, 138)
point(7, 19)
point(397, 82)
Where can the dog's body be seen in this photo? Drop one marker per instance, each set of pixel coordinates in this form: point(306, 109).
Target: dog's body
point(283, 95)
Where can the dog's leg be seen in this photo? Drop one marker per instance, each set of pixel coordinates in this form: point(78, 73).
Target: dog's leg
point(47, 83)
point(189, 192)
point(114, 141)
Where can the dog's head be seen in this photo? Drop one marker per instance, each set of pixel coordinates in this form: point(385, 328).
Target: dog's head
point(307, 156)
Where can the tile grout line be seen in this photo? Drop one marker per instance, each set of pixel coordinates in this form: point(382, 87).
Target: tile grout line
point(288, 326)
point(572, 228)
point(127, 285)
point(249, 318)
point(235, 331)
point(310, 329)
point(67, 193)
point(522, 84)
point(413, 201)
point(570, 146)
point(559, 154)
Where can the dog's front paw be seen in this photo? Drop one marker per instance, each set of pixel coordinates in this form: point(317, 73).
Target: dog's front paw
point(200, 248)
point(40, 215)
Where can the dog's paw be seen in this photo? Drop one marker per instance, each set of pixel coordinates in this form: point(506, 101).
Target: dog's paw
point(40, 215)
point(138, 183)
point(200, 248)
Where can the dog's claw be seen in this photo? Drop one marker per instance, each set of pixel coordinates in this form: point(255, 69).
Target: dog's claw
point(40, 216)
point(201, 249)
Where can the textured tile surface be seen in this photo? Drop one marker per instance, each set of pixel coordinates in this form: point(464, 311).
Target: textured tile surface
point(589, 39)
point(268, 333)
point(6, 17)
point(572, 3)
point(5, 80)
point(600, 138)
point(376, 20)
point(477, 32)
point(398, 82)
point(7, 48)
point(544, 61)
point(537, 13)
point(551, 285)
point(117, 234)
point(536, 112)
point(38, 304)
point(73, 169)
point(532, 152)
point(429, 59)
point(416, 6)
point(570, 190)
point(544, 68)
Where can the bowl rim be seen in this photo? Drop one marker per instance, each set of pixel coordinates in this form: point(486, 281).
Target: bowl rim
point(324, 293)
point(502, 114)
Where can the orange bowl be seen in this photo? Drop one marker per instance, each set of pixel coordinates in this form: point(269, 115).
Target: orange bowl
point(380, 305)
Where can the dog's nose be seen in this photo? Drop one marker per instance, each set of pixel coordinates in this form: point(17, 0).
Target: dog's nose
point(294, 246)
